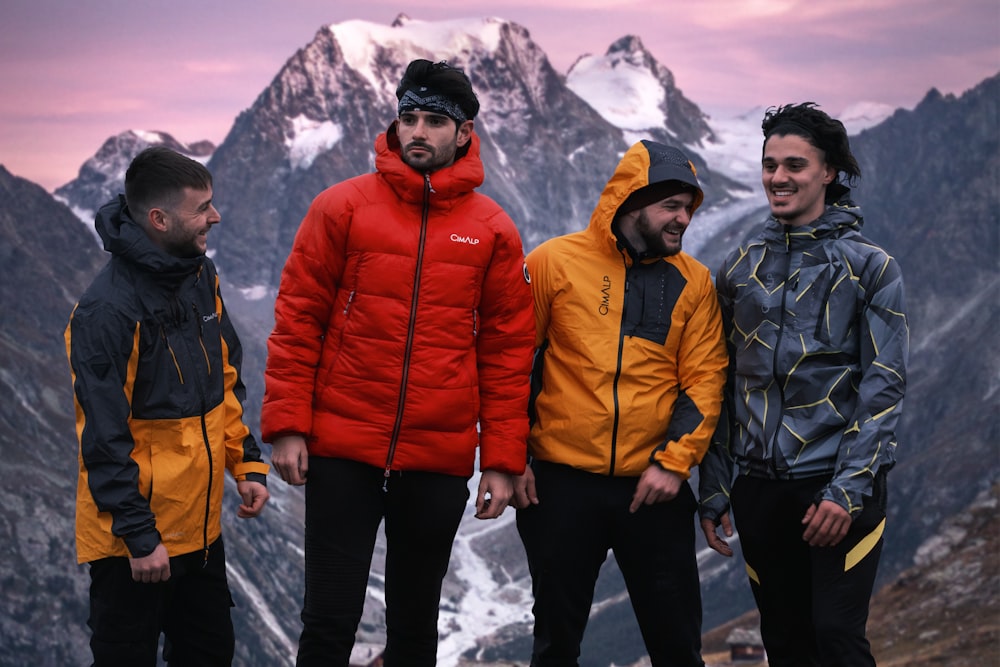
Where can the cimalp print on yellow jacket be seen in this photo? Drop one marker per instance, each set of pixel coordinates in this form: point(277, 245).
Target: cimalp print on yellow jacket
point(630, 362)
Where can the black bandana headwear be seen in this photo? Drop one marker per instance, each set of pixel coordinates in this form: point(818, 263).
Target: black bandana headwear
point(422, 98)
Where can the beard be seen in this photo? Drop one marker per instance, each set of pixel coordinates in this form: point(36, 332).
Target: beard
point(428, 161)
point(655, 239)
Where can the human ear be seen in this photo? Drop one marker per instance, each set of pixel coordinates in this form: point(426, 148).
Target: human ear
point(157, 219)
point(464, 133)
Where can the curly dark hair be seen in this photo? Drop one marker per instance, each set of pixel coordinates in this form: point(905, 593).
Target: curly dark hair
point(449, 81)
point(825, 133)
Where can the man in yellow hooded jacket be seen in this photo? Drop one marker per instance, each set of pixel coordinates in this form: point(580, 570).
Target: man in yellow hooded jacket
point(626, 391)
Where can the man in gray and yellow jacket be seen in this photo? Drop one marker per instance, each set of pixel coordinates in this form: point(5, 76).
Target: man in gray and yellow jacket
point(159, 413)
point(627, 386)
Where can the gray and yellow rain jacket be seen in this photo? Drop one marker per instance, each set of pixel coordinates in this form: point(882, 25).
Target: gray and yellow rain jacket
point(156, 382)
point(817, 335)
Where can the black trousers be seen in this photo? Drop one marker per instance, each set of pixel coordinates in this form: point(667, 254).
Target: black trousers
point(345, 504)
point(191, 610)
point(580, 516)
point(813, 601)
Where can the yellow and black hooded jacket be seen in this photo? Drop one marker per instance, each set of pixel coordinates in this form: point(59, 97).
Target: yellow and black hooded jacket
point(630, 361)
point(159, 400)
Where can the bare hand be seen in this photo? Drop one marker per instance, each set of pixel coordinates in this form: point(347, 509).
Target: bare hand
point(524, 490)
point(712, 537)
point(254, 495)
point(826, 524)
point(656, 485)
point(499, 487)
point(290, 459)
point(151, 569)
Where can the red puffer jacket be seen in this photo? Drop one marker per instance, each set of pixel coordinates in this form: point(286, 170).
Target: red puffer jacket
point(404, 321)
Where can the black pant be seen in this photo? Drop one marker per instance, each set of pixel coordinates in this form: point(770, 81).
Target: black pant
point(580, 516)
point(813, 601)
point(191, 609)
point(345, 503)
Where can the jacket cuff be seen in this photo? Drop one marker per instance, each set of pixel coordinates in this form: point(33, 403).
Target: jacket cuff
point(684, 472)
point(142, 544)
point(254, 477)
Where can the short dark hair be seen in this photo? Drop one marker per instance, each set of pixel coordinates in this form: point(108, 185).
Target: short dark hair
point(444, 79)
point(156, 178)
point(825, 133)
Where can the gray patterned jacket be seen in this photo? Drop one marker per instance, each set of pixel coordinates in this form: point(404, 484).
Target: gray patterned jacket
point(818, 340)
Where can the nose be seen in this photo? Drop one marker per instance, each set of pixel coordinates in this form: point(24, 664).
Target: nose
point(419, 128)
point(213, 215)
point(780, 174)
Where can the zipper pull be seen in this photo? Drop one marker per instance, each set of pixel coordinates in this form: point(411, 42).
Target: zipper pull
point(385, 483)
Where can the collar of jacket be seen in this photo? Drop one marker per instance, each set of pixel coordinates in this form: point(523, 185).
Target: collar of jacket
point(124, 238)
point(460, 178)
point(837, 219)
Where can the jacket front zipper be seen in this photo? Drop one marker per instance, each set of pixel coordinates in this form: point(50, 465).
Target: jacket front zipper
point(204, 431)
point(408, 350)
point(618, 371)
point(775, 370)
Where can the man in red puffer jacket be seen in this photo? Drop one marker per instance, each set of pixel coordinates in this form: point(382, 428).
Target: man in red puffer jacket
point(403, 339)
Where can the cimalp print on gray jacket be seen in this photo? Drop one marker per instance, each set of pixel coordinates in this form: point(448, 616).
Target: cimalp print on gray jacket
point(818, 339)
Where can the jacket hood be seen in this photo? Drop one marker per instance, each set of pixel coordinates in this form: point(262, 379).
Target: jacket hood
point(645, 164)
point(461, 177)
point(124, 238)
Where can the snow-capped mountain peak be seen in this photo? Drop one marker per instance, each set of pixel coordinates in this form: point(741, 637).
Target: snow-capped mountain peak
point(363, 43)
point(621, 86)
point(633, 91)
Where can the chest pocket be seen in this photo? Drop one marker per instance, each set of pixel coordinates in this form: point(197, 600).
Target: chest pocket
point(830, 291)
point(177, 346)
point(651, 295)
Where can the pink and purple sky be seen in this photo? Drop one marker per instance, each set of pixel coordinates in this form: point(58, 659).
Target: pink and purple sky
point(73, 74)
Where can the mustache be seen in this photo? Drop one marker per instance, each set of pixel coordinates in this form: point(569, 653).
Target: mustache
point(419, 144)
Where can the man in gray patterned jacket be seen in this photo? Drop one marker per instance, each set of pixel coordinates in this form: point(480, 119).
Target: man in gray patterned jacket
point(817, 336)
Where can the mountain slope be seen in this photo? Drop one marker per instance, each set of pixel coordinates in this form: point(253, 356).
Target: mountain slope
point(45, 255)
